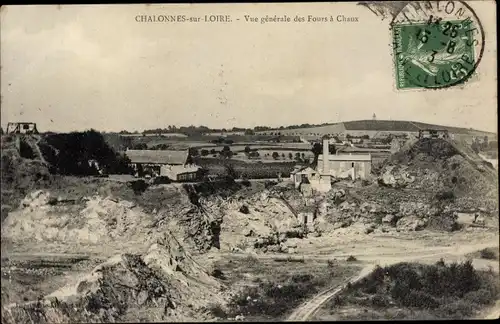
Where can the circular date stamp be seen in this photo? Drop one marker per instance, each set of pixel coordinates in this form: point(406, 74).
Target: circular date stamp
point(437, 44)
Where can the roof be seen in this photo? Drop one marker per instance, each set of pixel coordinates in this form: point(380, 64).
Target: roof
point(157, 156)
point(303, 170)
point(180, 169)
point(362, 149)
point(347, 157)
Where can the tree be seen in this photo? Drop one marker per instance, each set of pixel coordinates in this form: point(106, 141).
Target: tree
point(475, 145)
point(193, 151)
point(140, 146)
point(275, 155)
point(226, 152)
point(249, 132)
point(247, 149)
point(283, 155)
point(213, 151)
point(204, 152)
point(254, 154)
point(332, 149)
point(484, 145)
point(290, 155)
point(297, 157)
point(316, 149)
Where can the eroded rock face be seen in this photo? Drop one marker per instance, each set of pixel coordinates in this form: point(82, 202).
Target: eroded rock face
point(163, 281)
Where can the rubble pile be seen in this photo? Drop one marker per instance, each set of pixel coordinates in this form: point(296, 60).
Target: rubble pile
point(269, 220)
point(165, 284)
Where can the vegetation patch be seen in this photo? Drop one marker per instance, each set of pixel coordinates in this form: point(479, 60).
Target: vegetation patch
point(411, 291)
point(270, 290)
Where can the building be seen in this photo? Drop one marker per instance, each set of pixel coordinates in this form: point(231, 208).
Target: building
point(433, 133)
point(344, 165)
point(302, 175)
point(355, 166)
point(188, 172)
point(22, 128)
point(174, 164)
point(340, 165)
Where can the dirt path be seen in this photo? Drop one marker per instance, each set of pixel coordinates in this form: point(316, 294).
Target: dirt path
point(308, 309)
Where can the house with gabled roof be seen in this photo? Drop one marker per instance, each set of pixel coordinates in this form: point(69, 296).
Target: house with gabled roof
point(177, 165)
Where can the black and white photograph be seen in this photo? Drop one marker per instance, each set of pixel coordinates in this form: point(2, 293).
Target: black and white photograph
point(248, 162)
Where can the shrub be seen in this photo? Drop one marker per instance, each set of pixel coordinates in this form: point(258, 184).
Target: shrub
point(217, 311)
point(445, 195)
point(481, 297)
point(488, 254)
point(217, 273)
point(351, 258)
point(380, 301)
point(455, 310)
point(138, 186)
point(419, 299)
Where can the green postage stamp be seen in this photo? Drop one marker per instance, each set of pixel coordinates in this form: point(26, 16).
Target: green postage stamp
point(436, 47)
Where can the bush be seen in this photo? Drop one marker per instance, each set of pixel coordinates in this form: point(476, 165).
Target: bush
point(481, 297)
point(455, 310)
point(138, 186)
point(217, 311)
point(217, 273)
point(419, 299)
point(351, 258)
point(273, 299)
point(445, 195)
point(380, 301)
point(488, 254)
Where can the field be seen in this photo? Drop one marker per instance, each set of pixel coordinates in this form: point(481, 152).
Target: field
point(253, 170)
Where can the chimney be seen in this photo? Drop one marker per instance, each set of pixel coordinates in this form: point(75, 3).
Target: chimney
point(326, 159)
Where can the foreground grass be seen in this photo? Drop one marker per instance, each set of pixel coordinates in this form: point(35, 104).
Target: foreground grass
point(417, 291)
point(270, 290)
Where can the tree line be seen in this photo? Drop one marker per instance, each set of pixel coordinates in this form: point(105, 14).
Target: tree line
point(198, 130)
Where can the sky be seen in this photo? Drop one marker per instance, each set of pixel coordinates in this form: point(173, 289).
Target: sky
point(79, 67)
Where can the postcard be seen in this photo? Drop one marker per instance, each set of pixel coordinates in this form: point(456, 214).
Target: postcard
point(319, 161)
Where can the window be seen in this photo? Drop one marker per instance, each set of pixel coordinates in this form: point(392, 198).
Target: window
point(26, 126)
point(352, 164)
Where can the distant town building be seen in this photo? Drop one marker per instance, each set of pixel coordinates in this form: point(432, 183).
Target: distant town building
point(374, 128)
point(22, 128)
point(433, 133)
